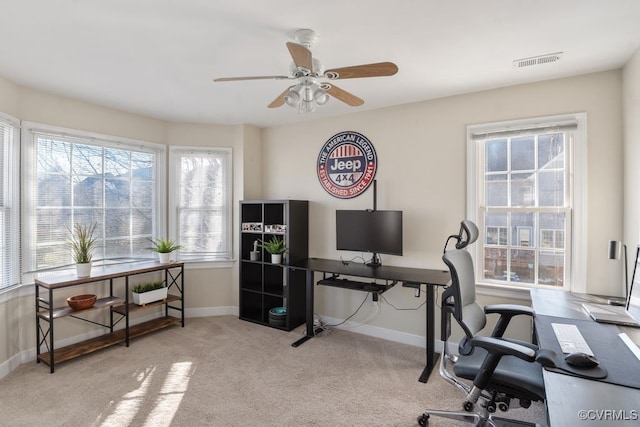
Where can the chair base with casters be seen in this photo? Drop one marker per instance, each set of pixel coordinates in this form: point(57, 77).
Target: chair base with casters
point(493, 372)
point(480, 412)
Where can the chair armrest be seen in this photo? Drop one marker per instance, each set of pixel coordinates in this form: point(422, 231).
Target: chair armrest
point(509, 309)
point(506, 311)
point(496, 348)
point(501, 347)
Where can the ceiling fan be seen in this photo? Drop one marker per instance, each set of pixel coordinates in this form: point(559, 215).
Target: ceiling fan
point(310, 91)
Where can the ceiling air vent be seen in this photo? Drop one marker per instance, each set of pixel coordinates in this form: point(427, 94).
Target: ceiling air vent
point(537, 60)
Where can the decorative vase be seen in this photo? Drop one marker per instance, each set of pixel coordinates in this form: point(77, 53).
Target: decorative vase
point(254, 256)
point(276, 258)
point(83, 270)
point(149, 296)
point(165, 257)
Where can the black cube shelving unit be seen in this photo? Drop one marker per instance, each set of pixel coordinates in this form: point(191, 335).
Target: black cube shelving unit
point(264, 285)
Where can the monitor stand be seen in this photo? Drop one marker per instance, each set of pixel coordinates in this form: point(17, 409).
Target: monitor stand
point(375, 261)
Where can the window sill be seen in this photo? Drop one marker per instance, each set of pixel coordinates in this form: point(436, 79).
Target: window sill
point(195, 264)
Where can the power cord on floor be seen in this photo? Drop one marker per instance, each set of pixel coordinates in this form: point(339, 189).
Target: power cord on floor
point(326, 326)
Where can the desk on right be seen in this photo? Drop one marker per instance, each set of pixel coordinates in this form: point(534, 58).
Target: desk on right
point(573, 400)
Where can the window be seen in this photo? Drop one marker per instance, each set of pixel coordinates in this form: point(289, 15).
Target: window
point(87, 179)
point(523, 200)
point(9, 202)
point(496, 235)
point(200, 203)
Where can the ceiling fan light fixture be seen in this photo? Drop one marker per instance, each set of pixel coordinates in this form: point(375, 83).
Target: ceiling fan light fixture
point(293, 98)
point(307, 94)
point(307, 107)
point(320, 96)
point(306, 97)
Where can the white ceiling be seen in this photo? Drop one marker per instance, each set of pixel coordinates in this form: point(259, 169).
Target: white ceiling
point(159, 57)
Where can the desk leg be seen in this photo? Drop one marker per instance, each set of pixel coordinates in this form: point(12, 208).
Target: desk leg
point(432, 356)
point(51, 342)
point(309, 311)
point(126, 311)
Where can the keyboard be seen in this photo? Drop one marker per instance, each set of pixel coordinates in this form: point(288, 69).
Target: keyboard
point(570, 338)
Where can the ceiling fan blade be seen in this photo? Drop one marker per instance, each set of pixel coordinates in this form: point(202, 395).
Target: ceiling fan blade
point(379, 69)
point(279, 101)
point(343, 95)
point(301, 56)
point(234, 79)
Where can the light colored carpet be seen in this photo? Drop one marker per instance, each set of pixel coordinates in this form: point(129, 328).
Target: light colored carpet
point(222, 371)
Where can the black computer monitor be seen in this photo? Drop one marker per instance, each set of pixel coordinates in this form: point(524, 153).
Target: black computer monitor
point(377, 232)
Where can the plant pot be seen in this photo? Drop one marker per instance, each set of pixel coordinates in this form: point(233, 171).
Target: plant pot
point(276, 258)
point(83, 270)
point(150, 296)
point(164, 257)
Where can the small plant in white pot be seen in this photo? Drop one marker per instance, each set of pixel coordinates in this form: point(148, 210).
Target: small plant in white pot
point(146, 293)
point(276, 247)
point(83, 243)
point(164, 248)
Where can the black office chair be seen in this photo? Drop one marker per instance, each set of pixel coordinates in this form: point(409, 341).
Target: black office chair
point(500, 369)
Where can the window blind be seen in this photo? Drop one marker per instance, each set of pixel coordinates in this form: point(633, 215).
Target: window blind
point(201, 203)
point(525, 130)
point(76, 179)
point(9, 203)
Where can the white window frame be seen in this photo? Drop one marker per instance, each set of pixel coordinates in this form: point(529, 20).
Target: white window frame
point(29, 131)
point(554, 237)
point(200, 260)
point(499, 230)
point(577, 184)
point(10, 246)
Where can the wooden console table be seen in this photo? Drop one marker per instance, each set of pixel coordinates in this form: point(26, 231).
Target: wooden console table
point(46, 313)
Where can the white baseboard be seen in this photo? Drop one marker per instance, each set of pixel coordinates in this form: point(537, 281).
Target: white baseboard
point(14, 362)
point(210, 311)
point(382, 333)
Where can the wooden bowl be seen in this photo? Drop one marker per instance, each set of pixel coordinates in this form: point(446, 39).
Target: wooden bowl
point(81, 302)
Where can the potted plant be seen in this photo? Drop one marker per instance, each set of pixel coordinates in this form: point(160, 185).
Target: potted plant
point(145, 293)
point(164, 248)
point(83, 243)
point(276, 247)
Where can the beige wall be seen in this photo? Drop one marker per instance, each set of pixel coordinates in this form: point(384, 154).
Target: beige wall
point(9, 97)
point(631, 103)
point(421, 152)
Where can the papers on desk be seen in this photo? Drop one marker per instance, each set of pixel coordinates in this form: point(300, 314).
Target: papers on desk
point(632, 346)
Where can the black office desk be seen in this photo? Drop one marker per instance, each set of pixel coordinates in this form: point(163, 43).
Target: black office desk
point(572, 400)
point(411, 276)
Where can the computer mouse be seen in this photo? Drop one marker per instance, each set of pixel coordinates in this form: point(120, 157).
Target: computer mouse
point(581, 360)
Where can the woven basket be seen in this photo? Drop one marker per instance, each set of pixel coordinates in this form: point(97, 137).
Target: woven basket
point(81, 302)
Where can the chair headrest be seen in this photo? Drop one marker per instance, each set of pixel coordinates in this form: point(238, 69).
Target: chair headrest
point(468, 234)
